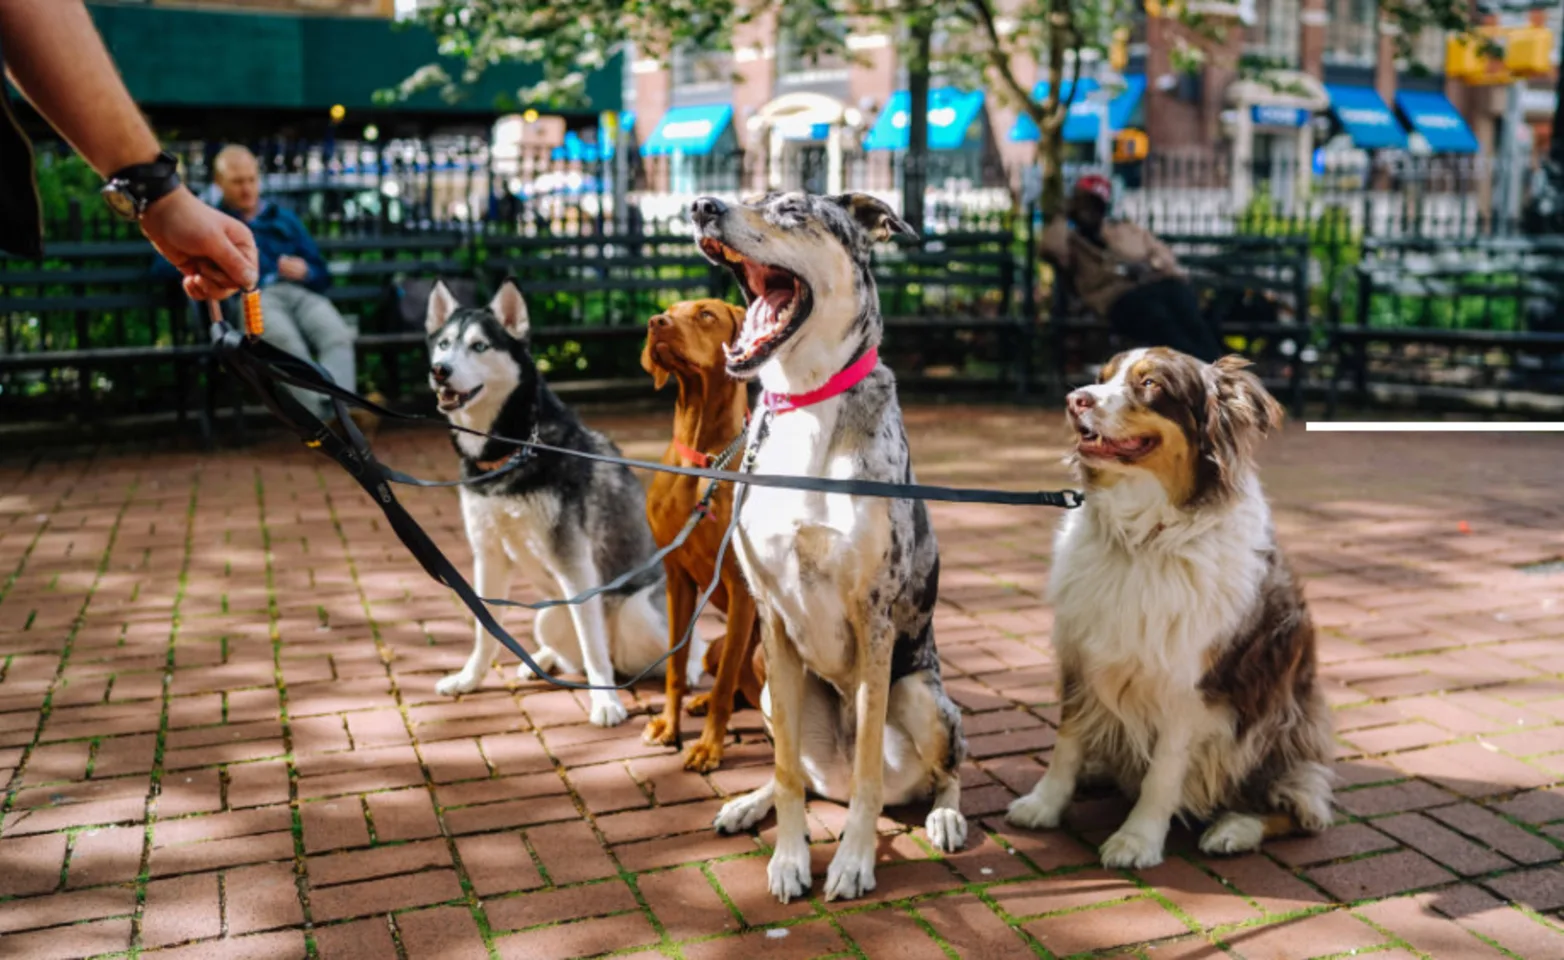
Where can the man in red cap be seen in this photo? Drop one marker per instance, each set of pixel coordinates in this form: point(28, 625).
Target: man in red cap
point(1126, 275)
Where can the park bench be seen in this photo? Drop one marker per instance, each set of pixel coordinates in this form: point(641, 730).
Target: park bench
point(1466, 322)
point(1254, 288)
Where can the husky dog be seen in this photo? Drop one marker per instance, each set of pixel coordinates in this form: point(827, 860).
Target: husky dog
point(845, 586)
point(570, 524)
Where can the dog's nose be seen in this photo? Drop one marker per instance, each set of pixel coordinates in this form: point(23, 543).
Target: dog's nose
point(662, 320)
point(707, 209)
point(1079, 401)
point(440, 371)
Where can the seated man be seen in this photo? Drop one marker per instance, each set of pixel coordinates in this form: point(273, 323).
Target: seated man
point(293, 278)
point(1126, 275)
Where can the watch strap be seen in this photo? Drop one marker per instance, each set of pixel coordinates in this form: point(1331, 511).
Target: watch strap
point(146, 183)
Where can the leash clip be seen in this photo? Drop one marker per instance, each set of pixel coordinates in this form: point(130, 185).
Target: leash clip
point(1070, 499)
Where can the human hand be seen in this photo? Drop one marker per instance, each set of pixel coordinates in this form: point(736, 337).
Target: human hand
point(293, 268)
point(215, 252)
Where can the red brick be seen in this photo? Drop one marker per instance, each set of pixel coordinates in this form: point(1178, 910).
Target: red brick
point(570, 852)
point(1048, 849)
point(257, 784)
point(1207, 901)
point(1401, 736)
point(518, 813)
point(1346, 840)
point(356, 761)
point(334, 824)
point(360, 781)
point(379, 862)
point(224, 733)
point(1407, 795)
point(377, 728)
point(744, 881)
point(318, 735)
point(35, 912)
point(106, 855)
point(124, 755)
point(1471, 770)
point(890, 933)
point(1032, 897)
point(1120, 924)
point(54, 762)
point(1515, 931)
point(1379, 876)
point(279, 945)
point(380, 896)
point(667, 781)
point(32, 864)
point(1272, 888)
point(1454, 851)
point(190, 791)
point(686, 904)
point(454, 760)
point(514, 753)
point(1413, 919)
point(800, 942)
point(1498, 833)
point(502, 788)
point(1541, 889)
point(556, 906)
point(69, 943)
point(182, 909)
point(694, 848)
point(1018, 741)
point(659, 821)
point(444, 933)
point(222, 753)
point(973, 929)
point(261, 898)
point(1315, 936)
point(215, 854)
point(498, 863)
point(360, 940)
point(222, 826)
point(984, 861)
point(403, 815)
point(584, 939)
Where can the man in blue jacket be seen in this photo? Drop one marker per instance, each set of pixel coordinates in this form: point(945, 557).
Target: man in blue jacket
point(293, 276)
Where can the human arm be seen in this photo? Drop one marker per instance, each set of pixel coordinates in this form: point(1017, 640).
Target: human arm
point(1054, 246)
point(305, 266)
point(57, 60)
point(1160, 256)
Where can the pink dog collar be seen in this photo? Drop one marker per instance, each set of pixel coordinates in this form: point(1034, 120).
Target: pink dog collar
point(843, 381)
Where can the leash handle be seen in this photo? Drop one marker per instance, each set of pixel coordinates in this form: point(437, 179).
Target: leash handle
point(254, 323)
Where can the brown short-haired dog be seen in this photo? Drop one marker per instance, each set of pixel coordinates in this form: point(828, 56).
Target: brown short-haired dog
point(685, 342)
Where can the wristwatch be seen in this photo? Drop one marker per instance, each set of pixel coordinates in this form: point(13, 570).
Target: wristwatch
point(130, 191)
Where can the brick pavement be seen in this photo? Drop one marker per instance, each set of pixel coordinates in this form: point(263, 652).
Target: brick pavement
point(219, 731)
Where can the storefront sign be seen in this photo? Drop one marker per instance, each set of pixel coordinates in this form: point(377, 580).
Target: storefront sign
point(1271, 116)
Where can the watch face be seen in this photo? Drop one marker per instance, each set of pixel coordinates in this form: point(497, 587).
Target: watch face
point(120, 201)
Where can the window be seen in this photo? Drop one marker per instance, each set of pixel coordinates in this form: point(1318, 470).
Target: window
point(1428, 51)
point(693, 67)
point(1274, 34)
point(1352, 34)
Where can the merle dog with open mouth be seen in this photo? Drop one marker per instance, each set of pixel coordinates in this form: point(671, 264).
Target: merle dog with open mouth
point(569, 524)
point(845, 586)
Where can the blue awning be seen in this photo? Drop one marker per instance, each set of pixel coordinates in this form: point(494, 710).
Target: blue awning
point(1081, 124)
point(691, 131)
point(1365, 116)
point(576, 149)
point(951, 115)
point(1435, 117)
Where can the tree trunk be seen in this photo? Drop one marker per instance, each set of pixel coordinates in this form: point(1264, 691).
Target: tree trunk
point(915, 161)
point(1545, 213)
point(1050, 138)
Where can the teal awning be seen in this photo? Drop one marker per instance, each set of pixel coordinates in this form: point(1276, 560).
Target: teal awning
point(691, 131)
point(1080, 126)
point(951, 116)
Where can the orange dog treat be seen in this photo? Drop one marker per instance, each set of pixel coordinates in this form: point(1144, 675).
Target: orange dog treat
point(254, 325)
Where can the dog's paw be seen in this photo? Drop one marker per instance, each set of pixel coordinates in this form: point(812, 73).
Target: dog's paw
point(1233, 833)
point(698, 705)
point(607, 711)
point(851, 874)
point(742, 813)
point(457, 684)
point(546, 660)
point(787, 875)
point(661, 731)
point(703, 756)
point(947, 829)
point(1130, 850)
point(1038, 810)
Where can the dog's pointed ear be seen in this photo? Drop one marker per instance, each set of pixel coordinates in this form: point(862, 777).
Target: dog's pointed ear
point(650, 365)
point(874, 215)
point(442, 303)
point(510, 308)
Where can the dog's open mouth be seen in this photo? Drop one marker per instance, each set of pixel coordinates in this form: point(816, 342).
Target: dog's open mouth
point(778, 302)
point(1095, 446)
point(450, 400)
